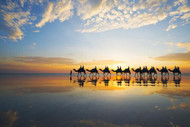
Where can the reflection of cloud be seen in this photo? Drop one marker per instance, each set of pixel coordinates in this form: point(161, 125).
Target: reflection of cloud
point(89, 123)
point(173, 93)
point(157, 107)
point(43, 89)
point(180, 106)
point(173, 125)
point(9, 118)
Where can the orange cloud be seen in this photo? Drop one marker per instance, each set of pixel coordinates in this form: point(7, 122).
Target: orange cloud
point(175, 57)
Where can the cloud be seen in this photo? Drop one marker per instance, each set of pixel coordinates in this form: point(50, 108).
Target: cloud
point(36, 31)
point(61, 10)
point(25, 64)
point(185, 16)
point(106, 15)
point(101, 62)
point(172, 26)
point(13, 17)
point(34, 45)
point(102, 16)
point(185, 45)
point(44, 60)
point(174, 57)
point(169, 43)
point(95, 15)
point(12, 23)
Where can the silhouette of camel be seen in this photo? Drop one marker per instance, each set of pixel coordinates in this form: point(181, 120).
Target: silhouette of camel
point(175, 71)
point(152, 71)
point(137, 71)
point(163, 71)
point(127, 70)
point(145, 70)
point(118, 70)
point(80, 71)
point(106, 70)
point(93, 71)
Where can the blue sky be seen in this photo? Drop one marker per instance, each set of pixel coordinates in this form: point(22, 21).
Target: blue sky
point(120, 32)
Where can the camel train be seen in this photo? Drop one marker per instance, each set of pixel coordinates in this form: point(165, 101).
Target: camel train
point(141, 71)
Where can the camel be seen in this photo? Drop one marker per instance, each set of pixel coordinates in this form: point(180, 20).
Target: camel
point(175, 71)
point(93, 71)
point(145, 71)
point(152, 71)
point(118, 70)
point(127, 70)
point(105, 71)
point(137, 71)
point(164, 71)
point(80, 71)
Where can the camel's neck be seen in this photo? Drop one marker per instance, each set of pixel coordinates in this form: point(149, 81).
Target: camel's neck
point(88, 70)
point(75, 70)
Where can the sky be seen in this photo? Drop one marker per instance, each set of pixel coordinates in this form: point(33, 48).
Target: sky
point(55, 36)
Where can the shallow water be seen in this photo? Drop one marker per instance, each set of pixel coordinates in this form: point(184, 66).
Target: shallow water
point(61, 101)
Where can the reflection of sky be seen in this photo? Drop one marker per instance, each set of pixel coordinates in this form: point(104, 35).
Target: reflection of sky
point(37, 100)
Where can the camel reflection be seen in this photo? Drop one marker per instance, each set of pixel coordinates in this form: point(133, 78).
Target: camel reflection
point(93, 79)
point(145, 80)
point(119, 80)
point(164, 80)
point(81, 79)
point(106, 80)
point(127, 80)
point(138, 79)
point(152, 79)
point(177, 80)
